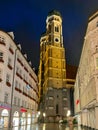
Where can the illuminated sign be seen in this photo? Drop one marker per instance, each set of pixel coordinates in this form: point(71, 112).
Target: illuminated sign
point(5, 106)
point(23, 110)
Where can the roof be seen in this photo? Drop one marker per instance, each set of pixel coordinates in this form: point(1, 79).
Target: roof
point(54, 12)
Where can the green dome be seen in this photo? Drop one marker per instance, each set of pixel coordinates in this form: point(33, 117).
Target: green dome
point(54, 12)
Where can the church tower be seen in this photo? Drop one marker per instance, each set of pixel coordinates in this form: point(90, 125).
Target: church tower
point(52, 69)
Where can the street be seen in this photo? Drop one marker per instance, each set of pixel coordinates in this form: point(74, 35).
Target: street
point(44, 126)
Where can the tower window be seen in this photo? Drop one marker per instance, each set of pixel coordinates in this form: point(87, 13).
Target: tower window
point(49, 28)
point(56, 29)
point(49, 38)
point(56, 108)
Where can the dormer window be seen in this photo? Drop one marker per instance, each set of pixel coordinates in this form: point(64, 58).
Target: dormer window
point(2, 39)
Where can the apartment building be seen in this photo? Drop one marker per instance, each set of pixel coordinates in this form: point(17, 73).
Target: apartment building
point(18, 85)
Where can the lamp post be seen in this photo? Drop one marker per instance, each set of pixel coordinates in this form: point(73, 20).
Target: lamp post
point(10, 114)
point(44, 117)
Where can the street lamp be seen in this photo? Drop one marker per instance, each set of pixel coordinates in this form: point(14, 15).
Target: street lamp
point(44, 117)
point(68, 113)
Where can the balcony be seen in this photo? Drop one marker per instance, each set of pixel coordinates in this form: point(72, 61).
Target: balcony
point(11, 50)
point(8, 83)
point(9, 66)
point(1, 60)
point(0, 80)
point(18, 89)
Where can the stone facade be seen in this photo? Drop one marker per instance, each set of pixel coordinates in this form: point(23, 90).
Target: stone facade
point(86, 90)
point(55, 95)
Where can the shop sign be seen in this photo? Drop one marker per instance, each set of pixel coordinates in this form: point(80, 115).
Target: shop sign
point(5, 106)
point(23, 110)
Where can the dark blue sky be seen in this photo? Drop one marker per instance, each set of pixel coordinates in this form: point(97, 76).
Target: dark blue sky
point(27, 19)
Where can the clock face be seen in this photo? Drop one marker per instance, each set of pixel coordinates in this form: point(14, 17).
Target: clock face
point(56, 39)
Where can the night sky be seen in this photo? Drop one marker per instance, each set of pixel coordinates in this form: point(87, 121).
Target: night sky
point(27, 19)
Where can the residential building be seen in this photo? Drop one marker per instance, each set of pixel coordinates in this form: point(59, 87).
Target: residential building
point(18, 85)
point(86, 86)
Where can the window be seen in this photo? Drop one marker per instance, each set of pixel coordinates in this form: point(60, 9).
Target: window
point(15, 100)
point(11, 49)
point(56, 108)
point(10, 62)
point(65, 90)
point(1, 55)
point(97, 62)
point(49, 28)
point(18, 101)
point(16, 83)
point(57, 96)
point(97, 24)
point(6, 97)
point(23, 103)
point(50, 97)
point(56, 29)
point(7, 78)
point(50, 108)
point(49, 39)
point(0, 74)
point(2, 39)
point(19, 86)
point(17, 69)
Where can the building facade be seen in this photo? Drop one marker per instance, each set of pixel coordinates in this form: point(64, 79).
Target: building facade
point(18, 85)
point(86, 86)
point(54, 98)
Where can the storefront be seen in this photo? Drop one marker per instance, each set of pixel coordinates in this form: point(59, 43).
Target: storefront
point(4, 118)
point(23, 121)
point(34, 117)
point(28, 121)
point(16, 119)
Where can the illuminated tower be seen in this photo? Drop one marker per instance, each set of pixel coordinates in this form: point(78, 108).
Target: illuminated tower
point(52, 69)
